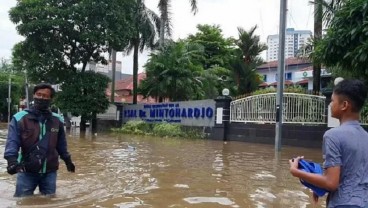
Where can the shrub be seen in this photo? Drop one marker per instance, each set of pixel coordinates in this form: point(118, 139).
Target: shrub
point(135, 127)
point(159, 129)
point(166, 129)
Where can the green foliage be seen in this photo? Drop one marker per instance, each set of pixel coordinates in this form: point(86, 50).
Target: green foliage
point(246, 59)
point(217, 49)
point(165, 16)
point(135, 127)
point(289, 89)
point(246, 76)
point(159, 129)
point(61, 35)
point(17, 87)
point(146, 24)
point(169, 130)
point(171, 73)
point(84, 94)
point(217, 53)
point(345, 46)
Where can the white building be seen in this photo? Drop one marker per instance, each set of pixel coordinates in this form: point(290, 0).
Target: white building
point(297, 72)
point(107, 69)
point(295, 39)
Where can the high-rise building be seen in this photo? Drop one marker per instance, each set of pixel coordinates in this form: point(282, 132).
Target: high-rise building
point(107, 69)
point(295, 39)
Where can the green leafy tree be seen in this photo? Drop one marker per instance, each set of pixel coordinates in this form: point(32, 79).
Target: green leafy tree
point(345, 46)
point(17, 86)
point(249, 49)
point(145, 27)
point(172, 74)
point(215, 79)
point(84, 95)
point(165, 27)
point(217, 49)
point(61, 37)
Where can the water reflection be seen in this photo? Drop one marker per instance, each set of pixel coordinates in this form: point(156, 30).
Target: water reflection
point(145, 172)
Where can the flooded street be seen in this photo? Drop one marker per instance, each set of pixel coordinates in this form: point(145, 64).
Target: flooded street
point(144, 172)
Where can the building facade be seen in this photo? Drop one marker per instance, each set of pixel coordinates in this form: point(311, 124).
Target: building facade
point(107, 69)
point(295, 39)
point(297, 72)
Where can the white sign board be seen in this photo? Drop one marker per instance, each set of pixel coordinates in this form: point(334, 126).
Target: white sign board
point(219, 112)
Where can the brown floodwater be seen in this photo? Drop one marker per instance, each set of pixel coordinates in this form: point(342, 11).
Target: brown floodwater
point(128, 171)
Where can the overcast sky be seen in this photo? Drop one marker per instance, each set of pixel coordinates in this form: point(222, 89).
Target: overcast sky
point(229, 14)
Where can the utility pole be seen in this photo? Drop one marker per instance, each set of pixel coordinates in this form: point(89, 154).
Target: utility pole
point(27, 96)
point(113, 57)
point(280, 71)
point(9, 98)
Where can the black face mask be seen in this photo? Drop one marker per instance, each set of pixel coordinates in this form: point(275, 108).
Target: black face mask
point(41, 104)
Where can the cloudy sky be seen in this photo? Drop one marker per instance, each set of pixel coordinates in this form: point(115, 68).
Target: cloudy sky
point(229, 14)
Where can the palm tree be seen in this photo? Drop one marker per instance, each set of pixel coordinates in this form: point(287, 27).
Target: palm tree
point(146, 25)
point(329, 8)
point(250, 47)
point(324, 11)
point(164, 7)
point(172, 74)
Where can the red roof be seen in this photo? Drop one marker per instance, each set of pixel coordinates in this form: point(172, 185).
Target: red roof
point(288, 62)
point(309, 68)
point(264, 84)
point(287, 82)
point(304, 81)
point(127, 83)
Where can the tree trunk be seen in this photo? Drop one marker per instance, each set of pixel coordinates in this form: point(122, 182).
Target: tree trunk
point(318, 10)
point(162, 31)
point(135, 71)
point(82, 126)
point(94, 124)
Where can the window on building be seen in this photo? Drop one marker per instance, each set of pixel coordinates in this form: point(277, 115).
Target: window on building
point(265, 77)
point(288, 76)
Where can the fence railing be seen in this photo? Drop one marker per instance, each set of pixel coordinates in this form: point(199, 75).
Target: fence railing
point(297, 108)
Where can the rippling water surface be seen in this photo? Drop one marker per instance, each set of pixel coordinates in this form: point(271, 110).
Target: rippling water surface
point(146, 172)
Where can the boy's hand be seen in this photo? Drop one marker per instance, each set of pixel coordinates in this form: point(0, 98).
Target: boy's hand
point(294, 163)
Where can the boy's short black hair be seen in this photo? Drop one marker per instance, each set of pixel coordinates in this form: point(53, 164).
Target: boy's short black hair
point(44, 86)
point(354, 90)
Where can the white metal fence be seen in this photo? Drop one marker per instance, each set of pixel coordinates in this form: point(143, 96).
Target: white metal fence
point(297, 108)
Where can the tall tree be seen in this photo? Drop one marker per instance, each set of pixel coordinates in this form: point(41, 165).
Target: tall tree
point(250, 48)
point(330, 7)
point(216, 57)
point(61, 37)
point(165, 28)
point(217, 49)
point(318, 16)
point(84, 95)
point(145, 27)
point(171, 73)
point(345, 45)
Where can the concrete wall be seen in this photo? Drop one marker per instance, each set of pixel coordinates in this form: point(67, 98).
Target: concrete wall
point(292, 135)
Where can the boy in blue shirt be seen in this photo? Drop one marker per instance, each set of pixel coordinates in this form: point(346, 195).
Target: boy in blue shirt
point(345, 151)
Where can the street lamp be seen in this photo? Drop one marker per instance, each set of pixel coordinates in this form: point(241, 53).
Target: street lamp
point(225, 92)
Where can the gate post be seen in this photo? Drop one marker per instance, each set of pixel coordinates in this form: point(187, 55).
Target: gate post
point(220, 130)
